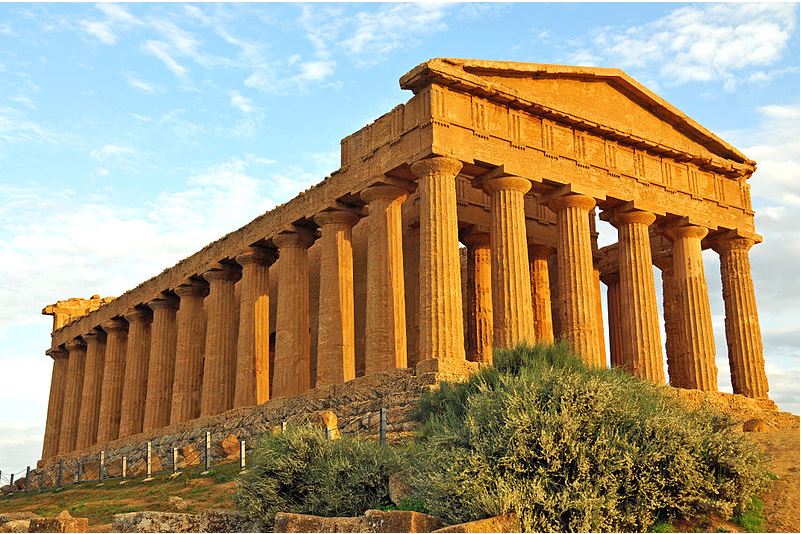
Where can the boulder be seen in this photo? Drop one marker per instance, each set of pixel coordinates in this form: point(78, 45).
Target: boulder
point(398, 488)
point(228, 521)
point(19, 484)
point(5, 489)
point(400, 521)
point(5, 517)
point(285, 522)
point(755, 425)
point(230, 446)
point(177, 503)
point(63, 522)
point(16, 525)
point(158, 522)
point(189, 457)
point(499, 523)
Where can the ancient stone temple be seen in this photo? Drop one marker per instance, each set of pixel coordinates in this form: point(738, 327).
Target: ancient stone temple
point(460, 221)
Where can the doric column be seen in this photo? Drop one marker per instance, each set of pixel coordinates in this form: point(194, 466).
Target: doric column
point(292, 373)
point(72, 395)
point(578, 314)
point(512, 314)
point(612, 282)
point(599, 315)
point(697, 357)
point(541, 292)
point(385, 344)
point(190, 341)
point(672, 322)
point(639, 315)
point(336, 356)
point(219, 367)
point(441, 320)
point(108, 426)
point(743, 336)
point(479, 297)
point(55, 404)
point(253, 344)
point(92, 384)
point(161, 370)
point(134, 390)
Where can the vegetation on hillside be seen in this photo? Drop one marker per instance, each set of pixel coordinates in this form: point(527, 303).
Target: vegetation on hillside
point(566, 447)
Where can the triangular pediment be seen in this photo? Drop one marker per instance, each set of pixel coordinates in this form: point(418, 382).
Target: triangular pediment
point(602, 96)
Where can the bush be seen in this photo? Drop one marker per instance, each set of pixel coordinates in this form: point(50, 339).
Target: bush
point(575, 449)
point(300, 471)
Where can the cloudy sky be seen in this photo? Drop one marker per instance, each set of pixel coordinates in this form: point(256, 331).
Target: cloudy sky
point(132, 135)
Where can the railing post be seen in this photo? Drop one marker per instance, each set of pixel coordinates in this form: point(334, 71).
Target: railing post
point(27, 476)
point(207, 458)
point(79, 473)
point(149, 462)
point(283, 426)
point(12, 484)
point(124, 470)
point(60, 479)
point(242, 456)
point(102, 470)
point(382, 426)
point(41, 480)
point(175, 471)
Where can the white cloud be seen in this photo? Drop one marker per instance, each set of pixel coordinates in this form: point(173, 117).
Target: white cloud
point(141, 85)
point(15, 127)
point(775, 147)
point(24, 100)
point(111, 150)
point(100, 30)
point(242, 103)
point(161, 51)
point(116, 18)
point(699, 43)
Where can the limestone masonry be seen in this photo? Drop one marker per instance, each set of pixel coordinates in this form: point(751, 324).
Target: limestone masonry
point(363, 274)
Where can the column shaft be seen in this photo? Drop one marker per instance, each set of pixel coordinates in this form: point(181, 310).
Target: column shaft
point(479, 298)
point(441, 320)
point(219, 366)
point(743, 336)
point(541, 292)
point(190, 342)
point(72, 395)
point(512, 312)
point(134, 390)
point(672, 322)
point(336, 354)
point(578, 313)
point(292, 373)
point(613, 316)
point(385, 344)
point(108, 427)
point(161, 370)
point(697, 357)
point(92, 389)
point(55, 404)
point(639, 315)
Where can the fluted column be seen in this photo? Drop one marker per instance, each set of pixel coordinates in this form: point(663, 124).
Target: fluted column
point(90, 394)
point(108, 426)
point(219, 366)
point(441, 320)
point(161, 370)
point(385, 344)
point(55, 404)
point(190, 340)
point(512, 313)
point(72, 395)
point(639, 315)
point(697, 357)
point(743, 336)
point(292, 373)
point(541, 292)
point(134, 390)
point(612, 282)
point(672, 322)
point(252, 385)
point(336, 356)
point(479, 297)
point(578, 313)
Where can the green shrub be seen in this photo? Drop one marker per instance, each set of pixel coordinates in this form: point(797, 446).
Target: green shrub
point(300, 471)
point(752, 517)
point(575, 449)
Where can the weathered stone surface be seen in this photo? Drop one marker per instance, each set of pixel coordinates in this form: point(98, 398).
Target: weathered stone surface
point(400, 521)
point(499, 523)
point(158, 522)
point(16, 525)
point(755, 425)
point(177, 503)
point(230, 446)
point(63, 522)
point(285, 522)
point(227, 521)
point(398, 487)
point(5, 517)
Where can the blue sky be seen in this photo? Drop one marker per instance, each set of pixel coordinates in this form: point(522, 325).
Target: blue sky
point(132, 135)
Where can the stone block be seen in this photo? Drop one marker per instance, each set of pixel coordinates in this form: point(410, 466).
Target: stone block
point(63, 522)
point(230, 446)
point(17, 525)
point(285, 522)
point(499, 523)
point(177, 503)
point(400, 521)
point(189, 456)
point(756, 425)
point(158, 522)
point(228, 521)
point(15, 517)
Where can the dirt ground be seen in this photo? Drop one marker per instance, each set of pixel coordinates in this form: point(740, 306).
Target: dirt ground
point(782, 501)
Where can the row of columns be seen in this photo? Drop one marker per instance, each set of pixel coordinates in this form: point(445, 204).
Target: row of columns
point(178, 362)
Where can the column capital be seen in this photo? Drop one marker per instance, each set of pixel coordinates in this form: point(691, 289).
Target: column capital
point(75, 343)
point(325, 218)
point(619, 218)
point(259, 255)
point(93, 335)
point(438, 165)
point(384, 192)
point(506, 183)
point(138, 315)
point(299, 238)
point(222, 271)
point(192, 288)
point(571, 200)
point(473, 239)
point(725, 243)
point(115, 325)
point(537, 251)
point(610, 279)
point(663, 263)
point(57, 352)
point(689, 231)
point(164, 302)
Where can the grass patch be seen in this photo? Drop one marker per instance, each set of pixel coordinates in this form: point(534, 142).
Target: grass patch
point(752, 518)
